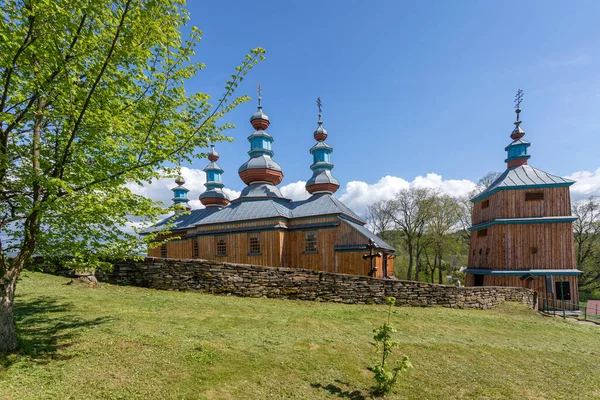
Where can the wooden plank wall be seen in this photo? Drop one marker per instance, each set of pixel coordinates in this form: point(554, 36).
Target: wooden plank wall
point(512, 204)
point(323, 260)
point(512, 247)
point(284, 248)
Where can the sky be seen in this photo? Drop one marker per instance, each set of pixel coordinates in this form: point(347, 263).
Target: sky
point(414, 93)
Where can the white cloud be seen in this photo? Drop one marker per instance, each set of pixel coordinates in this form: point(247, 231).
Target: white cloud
point(587, 184)
point(160, 189)
point(295, 191)
point(358, 195)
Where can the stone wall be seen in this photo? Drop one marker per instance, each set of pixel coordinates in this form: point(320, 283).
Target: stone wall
point(290, 283)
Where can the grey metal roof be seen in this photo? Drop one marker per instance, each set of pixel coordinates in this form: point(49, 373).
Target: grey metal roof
point(321, 204)
point(515, 142)
point(523, 177)
point(320, 129)
point(261, 190)
point(259, 115)
point(369, 235)
point(321, 145)
point(260, 208)
point(213, 166)
point(259, 162)
point(214, 193)
point(261, 133)
point(322, 176)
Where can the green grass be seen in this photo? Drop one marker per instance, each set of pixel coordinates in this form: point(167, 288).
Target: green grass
point(125, 342)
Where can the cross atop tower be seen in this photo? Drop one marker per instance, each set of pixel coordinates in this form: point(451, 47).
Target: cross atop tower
point(319, 104)
point(259, 88)
point(518, 99)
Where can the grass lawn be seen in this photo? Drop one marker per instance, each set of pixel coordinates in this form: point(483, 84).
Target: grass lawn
point(124, 342)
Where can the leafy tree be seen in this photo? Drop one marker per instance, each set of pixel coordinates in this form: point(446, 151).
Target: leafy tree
point(410, 210)
point(384, 344)
point(92, 97)
point(443, 221)
point(587, 242)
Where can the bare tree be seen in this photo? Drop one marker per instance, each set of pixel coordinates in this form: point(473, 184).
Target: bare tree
point(379, 217)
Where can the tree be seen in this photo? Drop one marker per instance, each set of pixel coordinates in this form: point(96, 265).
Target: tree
point(92, 97)
point(443, 220)
point(380, 217)
point(410, 210)
point(587, 242)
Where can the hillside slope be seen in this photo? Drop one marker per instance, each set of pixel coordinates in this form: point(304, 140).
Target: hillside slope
point(125, 342)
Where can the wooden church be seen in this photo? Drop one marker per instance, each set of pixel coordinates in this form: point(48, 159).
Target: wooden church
point(522, 229)
point(262, 227)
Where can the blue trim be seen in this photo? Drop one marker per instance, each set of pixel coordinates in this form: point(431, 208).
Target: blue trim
point(542, 186)
point(534, 272)
point(521, 156)
point(519, 221)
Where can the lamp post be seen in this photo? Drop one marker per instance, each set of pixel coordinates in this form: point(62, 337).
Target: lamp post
point(371, 256)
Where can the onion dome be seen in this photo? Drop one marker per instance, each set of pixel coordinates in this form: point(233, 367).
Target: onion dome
point(180, 193)
point(322, 181)
point(213, 196)
point(260, 169)
point(517, 150)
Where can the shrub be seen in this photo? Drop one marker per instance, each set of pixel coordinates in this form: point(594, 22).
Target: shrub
point(384, 344)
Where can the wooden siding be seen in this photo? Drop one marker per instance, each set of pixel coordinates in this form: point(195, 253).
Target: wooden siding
point(512, 247)
point(512, 204)
point(283, 247)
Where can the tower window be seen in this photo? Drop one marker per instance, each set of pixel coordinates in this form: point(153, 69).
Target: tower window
point(195, 252)
point(163, 251)
point(485, 204)
point(310, 242)
point(254, 244)
point(221, 246)
point(534, 196)
point(482, 232)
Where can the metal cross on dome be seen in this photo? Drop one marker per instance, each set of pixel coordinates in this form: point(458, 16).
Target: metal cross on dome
point(259, 88)
point(518, 99)
point(319, 104)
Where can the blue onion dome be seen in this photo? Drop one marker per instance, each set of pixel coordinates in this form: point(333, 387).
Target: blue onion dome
point(322, 181)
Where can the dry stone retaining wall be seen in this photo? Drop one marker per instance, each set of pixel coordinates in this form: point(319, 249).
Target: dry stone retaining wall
point(302, 284)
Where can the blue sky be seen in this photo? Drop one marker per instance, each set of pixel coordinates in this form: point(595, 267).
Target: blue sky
point(409, 88)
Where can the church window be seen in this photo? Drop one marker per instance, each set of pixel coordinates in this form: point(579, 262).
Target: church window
point(163, 251)
point(534, 196)
point(310, 242)
point(195, 253)
point(254, 244)
point(485, 204)
point(221, 246)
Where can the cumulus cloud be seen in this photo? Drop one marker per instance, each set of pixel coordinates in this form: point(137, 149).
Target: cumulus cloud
point(587, 184)
point(295, 191)
point(359, 195)
point(356, 194)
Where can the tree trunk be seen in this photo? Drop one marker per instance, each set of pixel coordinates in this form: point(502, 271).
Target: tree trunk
point(410, 262)
point(440, 272)
point(8, 335)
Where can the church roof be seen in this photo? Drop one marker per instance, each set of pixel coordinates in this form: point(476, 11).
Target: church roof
point(370, 235)
point(252, 209)
point(523, 177)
